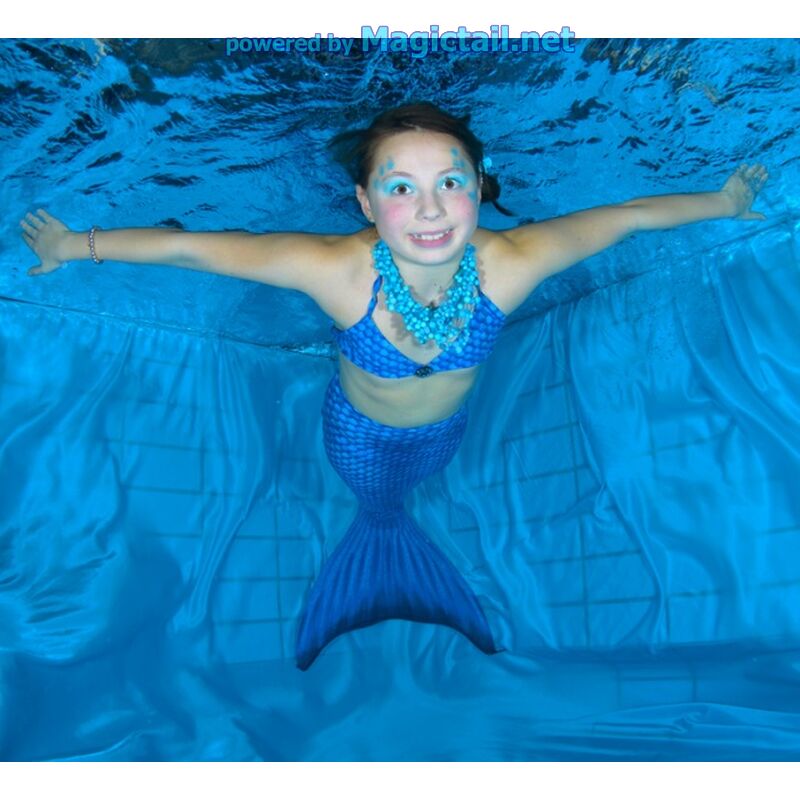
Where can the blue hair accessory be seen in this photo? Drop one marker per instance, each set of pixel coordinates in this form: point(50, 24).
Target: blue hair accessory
point(486, 163)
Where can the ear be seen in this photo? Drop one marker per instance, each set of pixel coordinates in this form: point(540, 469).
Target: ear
point(363, 200)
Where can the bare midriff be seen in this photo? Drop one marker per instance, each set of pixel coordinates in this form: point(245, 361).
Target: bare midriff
point(406, 402)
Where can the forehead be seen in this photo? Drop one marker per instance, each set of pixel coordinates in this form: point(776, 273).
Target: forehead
point(420, 149)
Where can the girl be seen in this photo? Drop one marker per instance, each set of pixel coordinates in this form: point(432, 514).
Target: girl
point(418, 299)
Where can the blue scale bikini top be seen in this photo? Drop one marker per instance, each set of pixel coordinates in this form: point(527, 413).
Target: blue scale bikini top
point(365, 345)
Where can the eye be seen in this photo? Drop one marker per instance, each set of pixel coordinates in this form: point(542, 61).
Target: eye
point(400, 188)
point(452, 183)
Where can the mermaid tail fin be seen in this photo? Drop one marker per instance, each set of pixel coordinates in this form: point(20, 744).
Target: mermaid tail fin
point(385, 567)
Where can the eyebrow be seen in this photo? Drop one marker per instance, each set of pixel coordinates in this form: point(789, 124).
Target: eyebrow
point(409, 175)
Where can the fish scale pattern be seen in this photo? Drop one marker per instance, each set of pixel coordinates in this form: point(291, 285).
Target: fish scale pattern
point(386, 567)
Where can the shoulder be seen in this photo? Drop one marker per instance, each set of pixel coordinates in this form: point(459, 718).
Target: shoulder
point(327, 261)
point(510, 248)
point(507, 270)
point(344, 266)
point(333, 250)
point(347, 256)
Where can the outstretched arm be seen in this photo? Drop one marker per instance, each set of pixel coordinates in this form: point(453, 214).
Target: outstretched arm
point(553, 245)
point(311, 263)
point(733, 201)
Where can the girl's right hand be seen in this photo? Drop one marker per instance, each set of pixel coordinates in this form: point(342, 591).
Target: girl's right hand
point(44, 234)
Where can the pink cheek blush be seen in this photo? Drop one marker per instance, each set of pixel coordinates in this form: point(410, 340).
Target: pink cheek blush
point(395, 215)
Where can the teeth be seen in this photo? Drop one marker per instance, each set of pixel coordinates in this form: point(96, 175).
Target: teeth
point(430, 237)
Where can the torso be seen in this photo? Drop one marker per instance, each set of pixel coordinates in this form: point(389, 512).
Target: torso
point(411, 401)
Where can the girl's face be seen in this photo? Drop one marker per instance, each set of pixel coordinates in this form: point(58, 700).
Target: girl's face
point(423, 195)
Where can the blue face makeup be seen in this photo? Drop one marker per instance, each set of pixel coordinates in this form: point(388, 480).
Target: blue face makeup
point(387, 167)
point(464, 181)
point(382, 169)
point(391, 185)
point(457, 180)
point(460, 163)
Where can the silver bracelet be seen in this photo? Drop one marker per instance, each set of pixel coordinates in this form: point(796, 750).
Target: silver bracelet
point(91, 244)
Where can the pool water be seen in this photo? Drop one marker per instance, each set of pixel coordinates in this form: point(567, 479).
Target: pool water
point(624, 503)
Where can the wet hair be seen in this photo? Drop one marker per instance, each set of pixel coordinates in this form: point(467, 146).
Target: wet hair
point(355, 149)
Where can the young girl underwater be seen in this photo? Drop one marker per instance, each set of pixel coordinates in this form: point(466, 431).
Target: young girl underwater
point(418, 299)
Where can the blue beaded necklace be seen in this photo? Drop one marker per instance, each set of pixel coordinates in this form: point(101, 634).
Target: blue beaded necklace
point(424, 322)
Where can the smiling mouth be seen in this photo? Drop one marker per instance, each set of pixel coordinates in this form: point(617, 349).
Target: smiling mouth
point(431, 237)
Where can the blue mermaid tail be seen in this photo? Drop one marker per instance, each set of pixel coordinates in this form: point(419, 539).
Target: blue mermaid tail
point(385, 567)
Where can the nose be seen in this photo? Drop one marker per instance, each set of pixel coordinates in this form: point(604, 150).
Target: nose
point(430, 206)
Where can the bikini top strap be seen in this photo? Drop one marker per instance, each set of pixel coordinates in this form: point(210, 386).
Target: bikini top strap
point(376, 287)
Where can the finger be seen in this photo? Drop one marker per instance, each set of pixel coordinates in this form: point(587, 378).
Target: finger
point(46, 216)
point(753, 215)
point(34, 220)
point(34, 271)
point(27, 228)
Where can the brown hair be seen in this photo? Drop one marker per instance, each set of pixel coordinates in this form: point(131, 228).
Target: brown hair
point(355, 149)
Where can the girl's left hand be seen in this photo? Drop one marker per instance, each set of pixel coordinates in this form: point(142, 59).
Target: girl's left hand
point(741, 190)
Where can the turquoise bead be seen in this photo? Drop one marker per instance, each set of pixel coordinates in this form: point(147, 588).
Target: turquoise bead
point(432, 323)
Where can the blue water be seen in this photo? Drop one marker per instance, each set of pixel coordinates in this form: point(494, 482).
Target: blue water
point(624, 504)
